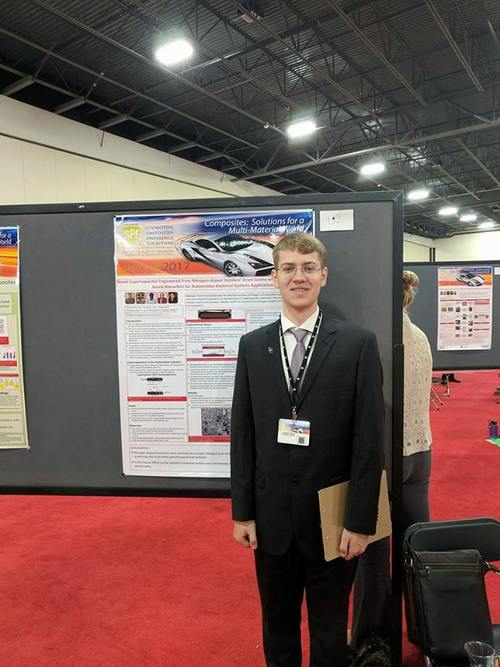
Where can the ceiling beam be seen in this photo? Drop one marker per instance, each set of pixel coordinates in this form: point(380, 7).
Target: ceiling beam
point(136, 93)
point(115, 120)
point(326, 77)
point(255, 45)
point(220, 61)
point(479, 127)
point(320, 90)
point(150, 135)
point(335, 4)
point(70, 104)
point(18, 85)
point(151, 63)
point(472, 155)
point(154, 132)
point(455, 48)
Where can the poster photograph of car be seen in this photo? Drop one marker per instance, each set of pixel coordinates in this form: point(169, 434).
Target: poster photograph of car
point(177, 357)
point(233, 254)
point(465, 297)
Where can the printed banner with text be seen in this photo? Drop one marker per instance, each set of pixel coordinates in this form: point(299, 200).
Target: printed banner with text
point(465, 307)
point(13, 429)
point(188, 286)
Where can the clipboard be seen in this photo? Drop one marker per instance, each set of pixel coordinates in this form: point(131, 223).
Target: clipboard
point(332, 505)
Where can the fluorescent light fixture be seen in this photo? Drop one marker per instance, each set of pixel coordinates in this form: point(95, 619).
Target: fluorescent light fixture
point(417, 194)
point(468, 217)
point(448, 210)
point(488, 224)
point(301, 128)
point(372, 168)
point(174, 52)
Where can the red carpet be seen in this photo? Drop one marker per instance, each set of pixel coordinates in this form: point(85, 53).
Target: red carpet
point(94, 582)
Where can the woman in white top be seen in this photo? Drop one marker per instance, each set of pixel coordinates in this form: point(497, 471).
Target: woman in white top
point(417, 436)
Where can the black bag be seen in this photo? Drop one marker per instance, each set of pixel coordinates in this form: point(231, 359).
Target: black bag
point(446, 602)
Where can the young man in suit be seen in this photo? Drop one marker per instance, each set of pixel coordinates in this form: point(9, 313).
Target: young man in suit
point(310, 368)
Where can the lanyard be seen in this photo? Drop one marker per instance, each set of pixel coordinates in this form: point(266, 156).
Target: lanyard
point(294, 384)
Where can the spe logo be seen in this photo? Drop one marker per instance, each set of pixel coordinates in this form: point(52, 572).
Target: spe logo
point(132, 233)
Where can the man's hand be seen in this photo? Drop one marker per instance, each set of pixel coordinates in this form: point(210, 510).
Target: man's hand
point(244, 532)
point(352, 544)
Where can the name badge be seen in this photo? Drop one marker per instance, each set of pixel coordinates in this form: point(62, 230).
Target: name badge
point(294, 432)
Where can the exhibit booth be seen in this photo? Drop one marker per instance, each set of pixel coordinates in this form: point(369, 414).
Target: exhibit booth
point(131, 313)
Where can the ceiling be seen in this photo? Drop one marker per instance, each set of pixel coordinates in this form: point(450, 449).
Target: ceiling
point(414, 82)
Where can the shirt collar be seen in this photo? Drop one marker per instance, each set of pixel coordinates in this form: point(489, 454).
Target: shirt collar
point(308, 325)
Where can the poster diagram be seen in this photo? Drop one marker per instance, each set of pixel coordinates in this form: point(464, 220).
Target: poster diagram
point(13, 429)
point(465, 307)
point(188, 286)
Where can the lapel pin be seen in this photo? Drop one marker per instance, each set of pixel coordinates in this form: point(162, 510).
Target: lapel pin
point(270, 350)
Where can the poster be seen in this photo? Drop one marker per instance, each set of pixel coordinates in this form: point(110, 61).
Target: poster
point(465, 307)
point(13, 429)
point(188, 286)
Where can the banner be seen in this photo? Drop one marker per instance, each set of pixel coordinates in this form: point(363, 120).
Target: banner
point(188, 286)
point(465, 307)
point(13, 429)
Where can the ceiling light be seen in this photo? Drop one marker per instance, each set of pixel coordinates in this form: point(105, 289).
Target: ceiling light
point(301, 128)
point(448, 210)
point(174, 52)
point(488, 224)
point(468, 217)
point(372, 168)
point(417, 194)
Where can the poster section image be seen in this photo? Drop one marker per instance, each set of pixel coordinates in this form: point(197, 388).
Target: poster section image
point(13, 429)
point(188, 286)
point(465, 307)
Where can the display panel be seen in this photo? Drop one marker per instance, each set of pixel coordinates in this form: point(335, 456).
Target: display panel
point(426, 310)
point(70, 343)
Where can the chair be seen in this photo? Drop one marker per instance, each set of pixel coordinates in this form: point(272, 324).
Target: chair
point(482, 534)
point(436, 398)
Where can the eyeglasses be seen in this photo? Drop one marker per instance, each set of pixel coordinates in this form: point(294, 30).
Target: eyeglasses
point(289, 270)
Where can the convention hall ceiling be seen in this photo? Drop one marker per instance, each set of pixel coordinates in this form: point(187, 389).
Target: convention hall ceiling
point(413, 83)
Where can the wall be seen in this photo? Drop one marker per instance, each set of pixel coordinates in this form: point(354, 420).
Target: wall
point(416, 248)
point(46, 158)
point(463, 247)
point(480, 246)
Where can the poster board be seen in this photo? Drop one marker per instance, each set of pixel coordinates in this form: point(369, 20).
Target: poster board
point(69, 330)
point(425, 309)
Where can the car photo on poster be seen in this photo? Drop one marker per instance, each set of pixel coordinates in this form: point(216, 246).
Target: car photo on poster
point(233, 254)
point(470, 279)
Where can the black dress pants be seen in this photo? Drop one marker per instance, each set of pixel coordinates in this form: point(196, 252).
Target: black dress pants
point(282, 581)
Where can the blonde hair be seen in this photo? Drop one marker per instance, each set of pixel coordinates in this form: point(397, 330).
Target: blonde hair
point(410, 280)
point(300, 242)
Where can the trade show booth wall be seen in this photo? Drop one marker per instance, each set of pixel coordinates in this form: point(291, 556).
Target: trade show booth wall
point(424, 313)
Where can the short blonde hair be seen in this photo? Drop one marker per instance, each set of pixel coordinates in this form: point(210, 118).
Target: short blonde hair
point(410, 280)
point(300, 242)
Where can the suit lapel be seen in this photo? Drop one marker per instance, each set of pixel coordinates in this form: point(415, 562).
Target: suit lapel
point(324, 343)
point(273, 355)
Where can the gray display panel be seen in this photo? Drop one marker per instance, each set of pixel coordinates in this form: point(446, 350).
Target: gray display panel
point(69, 330)
point(424, 313)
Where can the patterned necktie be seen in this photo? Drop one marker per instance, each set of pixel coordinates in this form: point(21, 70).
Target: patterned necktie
point(298, 353)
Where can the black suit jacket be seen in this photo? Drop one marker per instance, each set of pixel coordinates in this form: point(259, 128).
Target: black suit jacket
point(341, 395)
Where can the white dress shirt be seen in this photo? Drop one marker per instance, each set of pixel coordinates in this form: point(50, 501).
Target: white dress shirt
point(417, 435)
point(291, 341)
